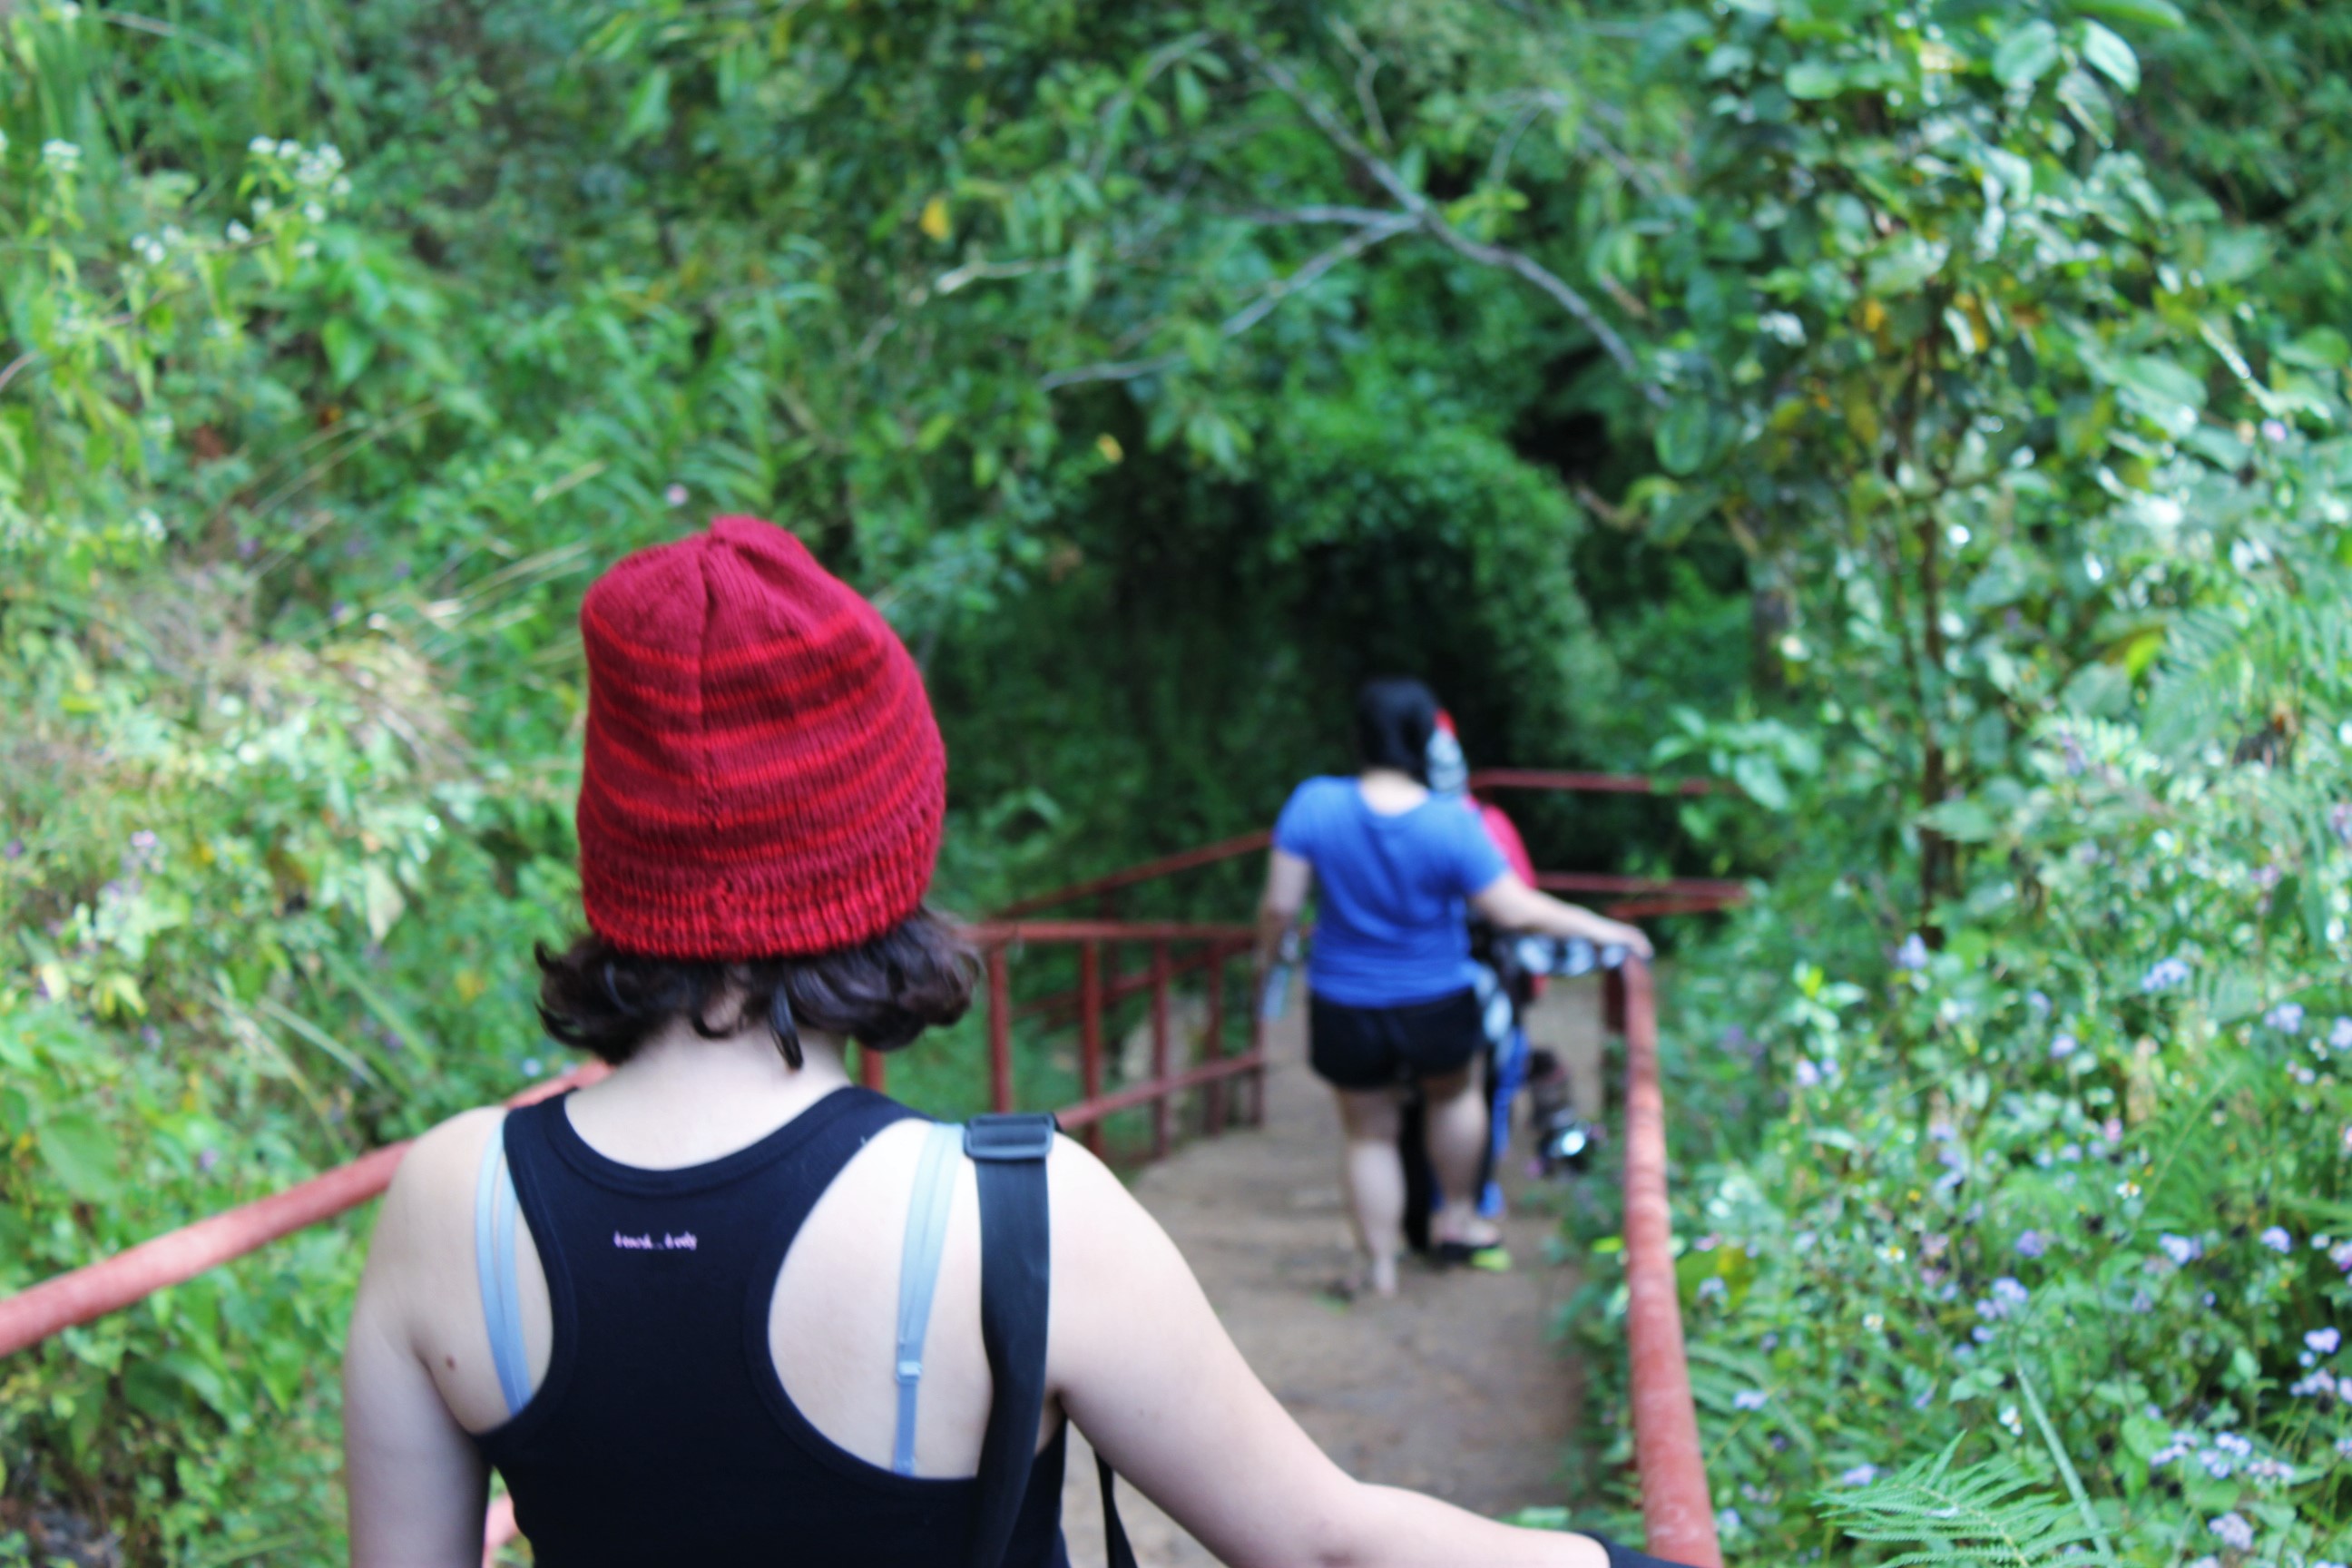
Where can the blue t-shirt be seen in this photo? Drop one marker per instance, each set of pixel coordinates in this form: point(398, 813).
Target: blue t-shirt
point(1391, 928)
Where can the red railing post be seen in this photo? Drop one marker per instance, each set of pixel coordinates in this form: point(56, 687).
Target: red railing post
point(1256, 1114)
point(1107, 909)
point(1090, 1043)
point(1612, 1001)
point(1000, 1033)
point(1677, 1515)
point(1212, 1043)
point(1160, 1108)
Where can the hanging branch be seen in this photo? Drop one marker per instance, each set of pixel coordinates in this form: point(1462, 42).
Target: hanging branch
point(1422, 215)
point(1369, 234)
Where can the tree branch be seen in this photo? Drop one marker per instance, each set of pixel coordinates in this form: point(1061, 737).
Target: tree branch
point(1387, 226)
point(1424, 217)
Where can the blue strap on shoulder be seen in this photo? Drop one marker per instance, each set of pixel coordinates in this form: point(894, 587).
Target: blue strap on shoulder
point(494, 1270)
point(918, 1275)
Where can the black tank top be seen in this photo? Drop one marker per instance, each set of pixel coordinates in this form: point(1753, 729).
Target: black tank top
point(662, 1433)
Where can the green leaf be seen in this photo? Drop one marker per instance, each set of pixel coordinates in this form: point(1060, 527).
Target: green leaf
point(2321, 347)
point(1814, 79)
point(81, 1155)
point(2111, 57)
point(2149, 13)
point(1903, 264)
point(1682, 438)
point(2027, 54)
point(2159, 384)
point(648, 108)
point(1191, 99)
point(1760, 781)
point(1962, 821)
point(352, 1061)
point(348, 349)
point(380, 898)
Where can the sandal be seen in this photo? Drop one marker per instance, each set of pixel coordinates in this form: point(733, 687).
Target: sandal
point(1490, 1256)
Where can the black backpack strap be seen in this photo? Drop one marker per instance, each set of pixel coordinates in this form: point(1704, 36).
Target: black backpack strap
point(1117, 1552)
point(1016, 1258)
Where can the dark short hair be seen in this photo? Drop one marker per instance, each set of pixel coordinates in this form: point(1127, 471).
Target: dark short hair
point(881, 992)
point(1395, 716)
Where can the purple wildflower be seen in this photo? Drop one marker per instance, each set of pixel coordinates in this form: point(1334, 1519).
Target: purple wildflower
point(2286, 1018)
point(2275, 430)
point(207, 1160)
point(2062, 1047)
point(2324, 1341)
point(1807, 1075)
point(1748, 1399)
point(1860, 1476)
point(2033, 1244)
point(2233, 1530)
point(675, 495)
point(2277, 1239)
point(1913, 954)
point(2181, 1249)
point(2164, 974)
point(2340, 1036)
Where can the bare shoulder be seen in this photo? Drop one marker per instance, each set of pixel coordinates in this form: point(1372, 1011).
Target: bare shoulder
point(1105, 1243)
point(437, 1176)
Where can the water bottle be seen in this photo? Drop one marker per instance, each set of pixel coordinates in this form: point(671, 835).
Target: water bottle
point(1277, 978)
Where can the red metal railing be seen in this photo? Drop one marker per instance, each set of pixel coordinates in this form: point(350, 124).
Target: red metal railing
point(1213, 949)
point(1677, 1514)
point(1675, 1505)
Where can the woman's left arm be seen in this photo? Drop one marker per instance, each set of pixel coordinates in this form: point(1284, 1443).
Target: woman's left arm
point(418, 1487)
point(1509, 904)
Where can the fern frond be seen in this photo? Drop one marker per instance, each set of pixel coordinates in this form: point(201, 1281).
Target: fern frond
point(1991, 1514)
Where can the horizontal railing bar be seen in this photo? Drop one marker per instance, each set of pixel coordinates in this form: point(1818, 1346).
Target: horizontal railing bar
point(1091, 1111)
point(1585, 783)
point(1008, 933)
point(1120, 990)
point(1610, 882)
point(1646, 909)
point(93, 1290)
point(1149, 871)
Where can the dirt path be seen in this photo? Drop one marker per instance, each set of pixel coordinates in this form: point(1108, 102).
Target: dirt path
point(1452, 1388)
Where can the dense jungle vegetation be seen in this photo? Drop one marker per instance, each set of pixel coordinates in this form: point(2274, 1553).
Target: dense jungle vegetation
point(1928, 415)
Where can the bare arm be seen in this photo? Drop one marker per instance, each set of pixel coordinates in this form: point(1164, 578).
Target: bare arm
point(1511, 905)
point(1287, 879)
point(418, 1486)
point(1146, 1370)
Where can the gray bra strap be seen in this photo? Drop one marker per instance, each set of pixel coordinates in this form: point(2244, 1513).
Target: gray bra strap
point(919, 1274)
point(494, 1271)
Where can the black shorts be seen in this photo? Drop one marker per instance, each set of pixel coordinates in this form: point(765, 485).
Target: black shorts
point(1375, 1048)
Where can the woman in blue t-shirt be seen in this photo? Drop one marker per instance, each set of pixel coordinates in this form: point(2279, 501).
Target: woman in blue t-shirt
point(1390, 976)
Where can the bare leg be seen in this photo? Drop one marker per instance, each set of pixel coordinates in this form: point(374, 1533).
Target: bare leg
point(1458, 1140)
point(1374, 1178)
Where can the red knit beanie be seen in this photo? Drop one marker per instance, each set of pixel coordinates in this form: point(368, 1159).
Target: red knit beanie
point(763, 775)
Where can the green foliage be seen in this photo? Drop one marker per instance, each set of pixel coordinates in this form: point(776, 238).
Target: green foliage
point(1926, 417)
point(1988, 1512)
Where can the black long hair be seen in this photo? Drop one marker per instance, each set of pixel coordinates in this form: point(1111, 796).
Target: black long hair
point(1395, 716)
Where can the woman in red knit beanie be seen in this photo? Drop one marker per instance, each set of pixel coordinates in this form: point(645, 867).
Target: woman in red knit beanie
point(724, 1306)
